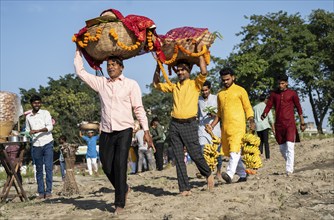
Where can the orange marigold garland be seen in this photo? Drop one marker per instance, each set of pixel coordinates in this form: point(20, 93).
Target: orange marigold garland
point(173, 58)
point(163, 72)
point(205, 52)
point(88, 38)
point(113, 33)
point(149, 40)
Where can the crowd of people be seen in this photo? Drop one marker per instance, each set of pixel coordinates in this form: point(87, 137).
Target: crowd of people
point(195, 113)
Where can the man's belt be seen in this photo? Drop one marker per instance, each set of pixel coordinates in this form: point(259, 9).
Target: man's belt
point(185, 120)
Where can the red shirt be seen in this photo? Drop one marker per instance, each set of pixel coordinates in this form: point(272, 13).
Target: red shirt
point(284, 103)
point(285, 124)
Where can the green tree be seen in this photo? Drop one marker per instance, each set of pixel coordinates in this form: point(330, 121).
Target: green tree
point(69, 101)
point(279, 43)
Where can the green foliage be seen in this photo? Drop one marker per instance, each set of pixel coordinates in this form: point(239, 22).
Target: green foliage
point(69, 101)
point(210, 110)
point(279, 43)
point(158, 104)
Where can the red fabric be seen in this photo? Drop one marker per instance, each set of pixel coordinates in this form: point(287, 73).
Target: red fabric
point(183, 33)
point(137, 24)
point(285, 103)
point(116, 13)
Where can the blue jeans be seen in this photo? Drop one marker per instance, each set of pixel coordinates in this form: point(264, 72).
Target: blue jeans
point(43, 155)
point(62, 169)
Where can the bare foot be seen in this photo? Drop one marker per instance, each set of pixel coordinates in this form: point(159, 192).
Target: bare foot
point(127, 193)
point(211, 182)
point(219, 178)
point(118, 210)
point(185, 193)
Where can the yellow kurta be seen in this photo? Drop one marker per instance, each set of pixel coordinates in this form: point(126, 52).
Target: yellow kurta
point(185, 96)
point(233, 109)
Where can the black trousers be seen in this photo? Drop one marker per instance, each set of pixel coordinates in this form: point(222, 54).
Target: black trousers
point(159, 155)
point(186, 135)
point(264, 136)
point(114, 152)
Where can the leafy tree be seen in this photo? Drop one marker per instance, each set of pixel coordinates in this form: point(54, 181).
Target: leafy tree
point(279, 43)
point(69, 101)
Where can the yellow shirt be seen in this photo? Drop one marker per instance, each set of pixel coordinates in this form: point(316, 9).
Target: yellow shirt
point(185, 96)
point(234, 108)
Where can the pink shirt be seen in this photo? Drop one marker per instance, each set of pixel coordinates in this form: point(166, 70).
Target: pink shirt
point(117, 98)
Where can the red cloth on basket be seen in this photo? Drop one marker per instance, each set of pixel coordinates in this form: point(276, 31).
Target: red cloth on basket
point(183, 33)
point(137, 24)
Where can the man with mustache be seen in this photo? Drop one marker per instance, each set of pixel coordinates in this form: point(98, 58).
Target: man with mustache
point(183, 128)
point(119, 97)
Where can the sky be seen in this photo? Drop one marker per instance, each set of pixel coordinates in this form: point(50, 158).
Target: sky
point(36, 35)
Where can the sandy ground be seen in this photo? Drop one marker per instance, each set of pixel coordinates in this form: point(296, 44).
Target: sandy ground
point(308, 194)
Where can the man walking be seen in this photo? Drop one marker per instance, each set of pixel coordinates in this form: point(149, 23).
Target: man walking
point(263, 126)
point(183, 129)
point(233, 109)
point(120, 97)
point(207, 110)
point(285, 101)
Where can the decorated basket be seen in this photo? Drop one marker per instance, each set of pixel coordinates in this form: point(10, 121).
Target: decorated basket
point(180, 43)
point(107, 46)
point(111, 34)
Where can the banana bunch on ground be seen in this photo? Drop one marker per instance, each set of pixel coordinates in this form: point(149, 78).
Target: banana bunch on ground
point(250, 151)
point(210, 152)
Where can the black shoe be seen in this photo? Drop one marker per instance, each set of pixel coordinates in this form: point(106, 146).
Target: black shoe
point(227, 178)
point(242, 179)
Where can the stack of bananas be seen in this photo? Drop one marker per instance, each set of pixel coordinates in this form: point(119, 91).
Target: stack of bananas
point(250, 151)
point(210, 152)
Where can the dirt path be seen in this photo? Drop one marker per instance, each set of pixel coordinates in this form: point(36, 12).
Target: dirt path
point(308, 194)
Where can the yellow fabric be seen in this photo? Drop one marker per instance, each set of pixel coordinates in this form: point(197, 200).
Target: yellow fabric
point(185, 96)
point(132, 154)
point(233, 104)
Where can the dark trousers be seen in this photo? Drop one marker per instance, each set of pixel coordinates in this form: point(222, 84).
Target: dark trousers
point(264, 136)
point(159, 155)
point(186, 135)
point(114, 151)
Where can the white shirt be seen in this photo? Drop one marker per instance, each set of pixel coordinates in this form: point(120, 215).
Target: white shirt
point(42, 119)
point(140, 140)
point(203, 119)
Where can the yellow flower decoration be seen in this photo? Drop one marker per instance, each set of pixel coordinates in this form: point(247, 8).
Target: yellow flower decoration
point(149, 40)
point(172, 60)
point(163, 72)
point(88, 38)
point(135, 46)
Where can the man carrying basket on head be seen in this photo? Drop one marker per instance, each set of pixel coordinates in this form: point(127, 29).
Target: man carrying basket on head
point(119, 96)
point(183, 128)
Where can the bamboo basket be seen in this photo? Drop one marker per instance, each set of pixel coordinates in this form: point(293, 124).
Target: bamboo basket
point(90, 126)
point(185, 37)
point(6, 128)
point(107, 46)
